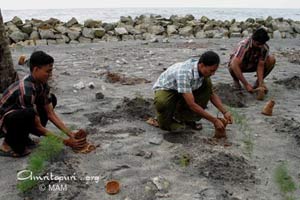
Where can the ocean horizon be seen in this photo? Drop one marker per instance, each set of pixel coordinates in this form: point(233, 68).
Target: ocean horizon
point(113, 14)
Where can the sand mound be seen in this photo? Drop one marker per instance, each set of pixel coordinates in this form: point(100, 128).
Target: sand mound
point(290, 83)
point(227, 168)
point(129, 109)
point(289, 126)
point(231, 96)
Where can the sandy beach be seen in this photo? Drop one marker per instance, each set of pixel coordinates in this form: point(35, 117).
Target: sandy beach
point(153, 164)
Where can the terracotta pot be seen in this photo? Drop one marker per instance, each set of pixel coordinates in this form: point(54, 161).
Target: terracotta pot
point(22, 60)
point(221, 133)
point(260, 93)
point(80, 134)
point(268, 108)
point(112, 187)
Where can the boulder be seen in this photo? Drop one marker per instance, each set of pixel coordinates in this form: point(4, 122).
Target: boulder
point(186, 31)
point(90, 23)
point(17, 21)
point(74, 33)
point(156, 30)
point(71, 22)
point(27, 28)
point(127, 20)
point(277, 34)
point(172, 29)
point(18, 36)
point(34, 35)
point(296, 27)
point(99, 32)
point(82, 39)
point(47, 34)
point(88, 33)
point(121, 31)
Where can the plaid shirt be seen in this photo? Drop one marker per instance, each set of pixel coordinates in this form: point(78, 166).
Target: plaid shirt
point(250, 55)
point(25, 93)
point(183, 77)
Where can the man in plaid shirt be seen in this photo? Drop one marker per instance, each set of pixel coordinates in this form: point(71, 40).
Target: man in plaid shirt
point(26, 106)
point(183, 91)
point(252, 55)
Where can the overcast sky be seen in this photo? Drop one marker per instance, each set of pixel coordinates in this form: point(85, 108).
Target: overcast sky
point(46, 4)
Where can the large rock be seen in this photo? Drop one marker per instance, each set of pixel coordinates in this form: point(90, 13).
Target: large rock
point(282, 26)
point(72, 22)
point(90, 23)
point(121, 31)
point(172, 29)
point(99, 32)
point(11, 27)
point(88, 33)
point(18, 36)
point(47, 34)
point(84, 40)
point(127, 20)
point(277, 34)
point(34, 35)
point(201, 34)
point(204, 19)
point(17, 21)
point(296, 26)
point(156, 30)
point(74, 33)
point(52, 22)
point(109, 26)
point(61, 29)
point(27, 28)
point(186, 31)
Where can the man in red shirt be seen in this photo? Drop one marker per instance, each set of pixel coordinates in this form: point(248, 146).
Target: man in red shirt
point(252, 55)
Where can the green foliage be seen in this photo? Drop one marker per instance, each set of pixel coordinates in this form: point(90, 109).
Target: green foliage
point(49, 148)
point(184, 160)
point(284, 180)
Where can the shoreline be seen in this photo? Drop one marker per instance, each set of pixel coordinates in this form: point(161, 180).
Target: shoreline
point(151, 28)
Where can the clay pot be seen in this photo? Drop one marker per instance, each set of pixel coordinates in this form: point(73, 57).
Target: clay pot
point(112, 187)
point(80, 134)
point(22, 60)
point(260, 93)
point(221, 133)
point(268, 108)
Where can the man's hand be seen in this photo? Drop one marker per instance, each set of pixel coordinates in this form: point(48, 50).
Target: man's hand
point(249, 88)
point(218, 124)
point(228, 117)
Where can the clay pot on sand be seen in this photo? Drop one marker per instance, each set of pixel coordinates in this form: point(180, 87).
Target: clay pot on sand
point(260, 93)
point(22, 60)
point(268, 108)
point(112, 187)
point(221, 133)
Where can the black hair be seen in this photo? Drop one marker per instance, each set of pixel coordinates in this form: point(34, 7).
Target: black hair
point(261, 35)
point(209, 58)
point(39, 59)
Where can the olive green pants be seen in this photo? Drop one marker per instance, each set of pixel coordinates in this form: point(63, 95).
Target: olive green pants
point(170, 104)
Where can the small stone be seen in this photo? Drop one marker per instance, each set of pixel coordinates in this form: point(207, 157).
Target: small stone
point(91, 85)
point(161, 183)
point(79, 85)
point(156, 140)
point(99, 95)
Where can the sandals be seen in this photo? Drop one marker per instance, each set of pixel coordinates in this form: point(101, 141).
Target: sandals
point(13, 154)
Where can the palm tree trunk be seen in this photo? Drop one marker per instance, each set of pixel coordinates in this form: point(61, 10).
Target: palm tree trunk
point(8, 75)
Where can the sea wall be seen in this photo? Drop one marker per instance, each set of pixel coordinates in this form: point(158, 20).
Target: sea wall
point(153, 27)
